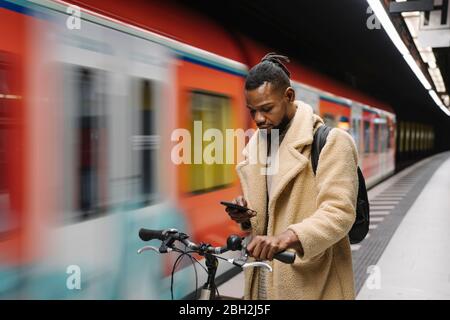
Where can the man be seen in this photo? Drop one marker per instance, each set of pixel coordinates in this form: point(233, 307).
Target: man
point(295, 209)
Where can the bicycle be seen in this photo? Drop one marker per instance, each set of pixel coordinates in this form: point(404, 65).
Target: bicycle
point(168, 238)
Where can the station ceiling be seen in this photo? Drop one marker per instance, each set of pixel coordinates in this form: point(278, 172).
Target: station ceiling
point(333, 38)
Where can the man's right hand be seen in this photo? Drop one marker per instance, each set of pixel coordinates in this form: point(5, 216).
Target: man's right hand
point(237, 215)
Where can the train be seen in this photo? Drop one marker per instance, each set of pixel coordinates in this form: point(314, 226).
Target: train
point(91, 93)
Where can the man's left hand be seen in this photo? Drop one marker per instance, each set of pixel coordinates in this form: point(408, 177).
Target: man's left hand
point(265, 247)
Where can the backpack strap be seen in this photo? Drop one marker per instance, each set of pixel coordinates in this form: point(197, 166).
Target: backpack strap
point(319, 140)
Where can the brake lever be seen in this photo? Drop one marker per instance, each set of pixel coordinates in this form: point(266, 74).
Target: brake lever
point(243, 264)
point(242, 260)
point(257, 264)
point(151, 248)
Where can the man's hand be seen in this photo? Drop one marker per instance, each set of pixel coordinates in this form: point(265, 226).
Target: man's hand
point(240, 216)
point(265, 247)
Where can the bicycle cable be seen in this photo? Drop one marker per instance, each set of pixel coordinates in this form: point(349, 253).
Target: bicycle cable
point(177, 261)
point(193, 260)
point(173, 269)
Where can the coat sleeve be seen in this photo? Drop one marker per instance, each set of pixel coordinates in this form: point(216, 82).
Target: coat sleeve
point(337, 186)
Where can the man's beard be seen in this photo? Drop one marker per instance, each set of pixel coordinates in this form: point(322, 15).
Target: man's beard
point(282, 125)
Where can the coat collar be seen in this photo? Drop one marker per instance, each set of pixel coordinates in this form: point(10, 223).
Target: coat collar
point(291, 162)
point(300, 132)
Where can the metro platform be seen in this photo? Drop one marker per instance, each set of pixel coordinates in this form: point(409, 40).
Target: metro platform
point(406, 254)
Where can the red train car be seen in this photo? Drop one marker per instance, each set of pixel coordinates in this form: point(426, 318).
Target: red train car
point(91, 147)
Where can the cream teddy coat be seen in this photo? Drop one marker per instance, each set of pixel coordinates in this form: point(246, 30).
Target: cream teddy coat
point(319, 208)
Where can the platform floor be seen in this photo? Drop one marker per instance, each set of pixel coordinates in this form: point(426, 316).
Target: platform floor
point(407, 252)
point(416, 262)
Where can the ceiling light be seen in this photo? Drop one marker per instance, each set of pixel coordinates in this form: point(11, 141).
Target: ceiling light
point(446, 99)
point(415, 68)
point(383, 17)
point(428, 56)
point(438, 101)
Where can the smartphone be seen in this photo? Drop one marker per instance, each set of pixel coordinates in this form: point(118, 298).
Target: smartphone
point(234, 206)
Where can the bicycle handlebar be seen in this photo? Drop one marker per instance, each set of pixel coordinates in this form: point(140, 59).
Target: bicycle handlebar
point(287, 257)
point(147, 234)
point(233, 243)
point(211, 254)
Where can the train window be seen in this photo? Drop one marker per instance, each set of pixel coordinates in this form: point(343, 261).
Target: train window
point(388, 134)
point(4, 163)
point(407, 136)
point(431, 146)
point(90, 126)
point(420, 137)
point(425, 138)
point(432, 139)
point(5, 187)
point(148, 143)
point(356, 131)
point(9, 147)
point(344, 123)
point(214, 112)
point(401, 136)
point(307, 95)
point(376, 137)
point(404, 136)
point(383, 137)
point(417, 138)
point(386, 137)
point(366, 137)
point(429, 139)
point(329, 120)
point(425, 134)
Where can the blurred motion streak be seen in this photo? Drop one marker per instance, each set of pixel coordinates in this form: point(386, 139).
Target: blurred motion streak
point(86, 118)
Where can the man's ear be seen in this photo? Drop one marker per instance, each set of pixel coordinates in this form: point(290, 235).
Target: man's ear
point(290, 94)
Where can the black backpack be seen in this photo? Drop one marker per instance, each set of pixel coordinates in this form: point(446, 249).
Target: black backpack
point(361, 226)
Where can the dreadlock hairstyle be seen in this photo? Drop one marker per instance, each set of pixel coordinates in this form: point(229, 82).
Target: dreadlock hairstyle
point(270, 69)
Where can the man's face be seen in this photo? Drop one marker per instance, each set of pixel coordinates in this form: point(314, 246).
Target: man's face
point(268, 106)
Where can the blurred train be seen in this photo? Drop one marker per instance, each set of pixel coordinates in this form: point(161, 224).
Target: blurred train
point(87, 111)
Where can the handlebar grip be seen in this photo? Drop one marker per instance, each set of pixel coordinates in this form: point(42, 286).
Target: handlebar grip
point(285, 256)
point(147, 234)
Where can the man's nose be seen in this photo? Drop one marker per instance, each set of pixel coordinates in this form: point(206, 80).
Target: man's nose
point(259, 118)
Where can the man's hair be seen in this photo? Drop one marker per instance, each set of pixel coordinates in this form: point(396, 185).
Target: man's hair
point(270, 69)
